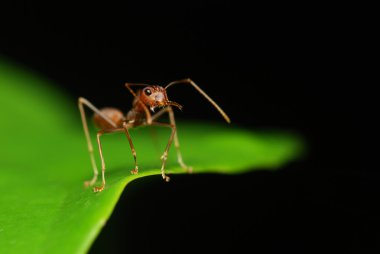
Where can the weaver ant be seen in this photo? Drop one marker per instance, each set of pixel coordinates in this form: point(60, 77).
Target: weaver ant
point(111, 120)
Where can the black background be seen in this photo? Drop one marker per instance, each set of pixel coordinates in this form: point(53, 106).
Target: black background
point(284, 67)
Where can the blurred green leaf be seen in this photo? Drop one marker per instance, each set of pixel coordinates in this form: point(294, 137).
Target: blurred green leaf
point(44, 207)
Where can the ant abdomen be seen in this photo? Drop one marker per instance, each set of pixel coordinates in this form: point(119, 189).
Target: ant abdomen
point(114, 114)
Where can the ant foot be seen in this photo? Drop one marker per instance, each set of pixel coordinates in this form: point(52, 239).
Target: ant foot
point(135, 171)
point(164, 157)
point(166, 178)
point(99, 188)
point(184, 166)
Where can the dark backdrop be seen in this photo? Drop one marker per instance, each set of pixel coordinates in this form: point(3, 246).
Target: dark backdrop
point(282, 67)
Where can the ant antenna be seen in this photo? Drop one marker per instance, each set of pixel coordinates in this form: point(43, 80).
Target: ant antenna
point(189, 81)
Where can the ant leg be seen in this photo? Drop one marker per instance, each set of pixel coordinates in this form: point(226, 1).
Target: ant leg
point(100, 188)
point(82, 101)
point(176, 141)
point(164, 156)
point(99, 134)
point(126, 127)
point(176, 144)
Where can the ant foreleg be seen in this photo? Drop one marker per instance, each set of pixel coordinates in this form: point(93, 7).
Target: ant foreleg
point(170, 111)
point(176, 143)
point(164, 156)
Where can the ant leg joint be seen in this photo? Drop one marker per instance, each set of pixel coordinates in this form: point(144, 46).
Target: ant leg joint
point(82, 100)
point(164, 157)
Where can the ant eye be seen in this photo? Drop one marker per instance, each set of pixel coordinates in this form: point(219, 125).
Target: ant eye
point(147, 91)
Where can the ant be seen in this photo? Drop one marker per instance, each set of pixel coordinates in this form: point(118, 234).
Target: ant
point(146, 100)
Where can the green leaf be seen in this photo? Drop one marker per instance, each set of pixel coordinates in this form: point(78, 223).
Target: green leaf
point(44, 207)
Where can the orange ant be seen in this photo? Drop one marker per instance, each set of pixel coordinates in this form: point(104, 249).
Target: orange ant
point(111, 120)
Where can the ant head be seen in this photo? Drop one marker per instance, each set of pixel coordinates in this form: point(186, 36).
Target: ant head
point(156, 97)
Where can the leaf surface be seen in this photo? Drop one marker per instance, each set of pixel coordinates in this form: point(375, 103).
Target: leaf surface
point(44, 207)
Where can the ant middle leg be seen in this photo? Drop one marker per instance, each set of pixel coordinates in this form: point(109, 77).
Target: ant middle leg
point(99, 134)
point(126, 127)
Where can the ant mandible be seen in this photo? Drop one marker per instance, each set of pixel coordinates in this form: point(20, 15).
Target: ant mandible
point(111, 120)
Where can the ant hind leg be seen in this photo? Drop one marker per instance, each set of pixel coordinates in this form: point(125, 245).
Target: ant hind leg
point(81, 103)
